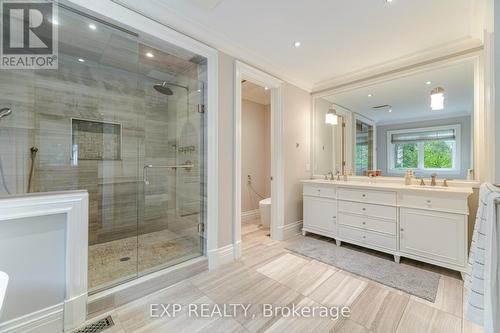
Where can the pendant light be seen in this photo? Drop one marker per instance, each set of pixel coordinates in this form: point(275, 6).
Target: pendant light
point(331, 117)
point(437, 99)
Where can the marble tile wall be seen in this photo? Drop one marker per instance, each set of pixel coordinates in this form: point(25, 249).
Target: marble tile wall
point(153, 127)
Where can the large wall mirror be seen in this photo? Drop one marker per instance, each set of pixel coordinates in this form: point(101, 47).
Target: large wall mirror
point(420, 120)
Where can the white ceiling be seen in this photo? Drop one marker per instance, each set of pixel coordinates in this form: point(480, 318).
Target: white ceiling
point(339, 38)
point(257, 94)
point(410, 96)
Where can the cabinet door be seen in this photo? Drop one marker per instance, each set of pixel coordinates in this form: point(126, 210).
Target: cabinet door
point(433, 235)
point(320, 215)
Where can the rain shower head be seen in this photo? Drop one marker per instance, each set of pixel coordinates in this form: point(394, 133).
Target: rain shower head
point(4, 112)
point(163, 88)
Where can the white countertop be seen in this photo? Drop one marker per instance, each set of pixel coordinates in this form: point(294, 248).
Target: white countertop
point(390, 186)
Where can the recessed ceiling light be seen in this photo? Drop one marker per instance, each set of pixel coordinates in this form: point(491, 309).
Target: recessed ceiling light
point(370, 95)
point(266, 88)
point(297, 44)
point(150, 55)
point(92, 26)
point(428, 82)
point(81, 60)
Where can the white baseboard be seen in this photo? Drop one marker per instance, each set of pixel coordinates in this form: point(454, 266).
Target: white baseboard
point(48, 320)
point(75, 312)
point(250, 215)
point(221, 256)
point(290, 230)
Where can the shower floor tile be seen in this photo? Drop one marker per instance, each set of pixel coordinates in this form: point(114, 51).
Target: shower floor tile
point(116, 261)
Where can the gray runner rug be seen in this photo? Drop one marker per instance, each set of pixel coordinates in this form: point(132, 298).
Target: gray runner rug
point(410, 279)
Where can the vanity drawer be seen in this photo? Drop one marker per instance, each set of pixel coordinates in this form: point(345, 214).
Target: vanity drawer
point(383, 226)
point(368, 238)
point(319, 191)
point(426, 200)
point(366, 209)
point(370, 196)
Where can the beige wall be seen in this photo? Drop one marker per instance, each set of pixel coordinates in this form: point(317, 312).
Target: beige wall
point(226, 151)
point(255, 153)
point(297, 109)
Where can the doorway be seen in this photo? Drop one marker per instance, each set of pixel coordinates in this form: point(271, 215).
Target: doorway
point(244, 72)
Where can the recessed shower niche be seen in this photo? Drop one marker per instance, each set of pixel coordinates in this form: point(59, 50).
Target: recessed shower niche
point(95, 140)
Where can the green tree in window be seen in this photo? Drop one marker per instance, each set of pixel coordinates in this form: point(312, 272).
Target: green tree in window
point(406, 155)
point(438, 155)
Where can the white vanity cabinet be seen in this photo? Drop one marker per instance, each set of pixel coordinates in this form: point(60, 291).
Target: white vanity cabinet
point(425, 224)
point(320, 210)
point(433, 228)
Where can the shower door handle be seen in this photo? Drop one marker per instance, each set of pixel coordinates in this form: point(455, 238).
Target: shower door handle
point(173, 167)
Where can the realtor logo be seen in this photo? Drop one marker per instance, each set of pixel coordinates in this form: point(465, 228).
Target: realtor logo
point(29, 35)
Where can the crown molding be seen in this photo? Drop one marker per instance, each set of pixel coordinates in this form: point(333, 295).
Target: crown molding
point(445, 115)
point(455, 48)
point(160, 12)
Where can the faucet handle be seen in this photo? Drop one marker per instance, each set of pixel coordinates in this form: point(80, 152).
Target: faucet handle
point(445, 183)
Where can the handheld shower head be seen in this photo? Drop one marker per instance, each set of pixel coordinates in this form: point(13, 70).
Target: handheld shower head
point(4, 112)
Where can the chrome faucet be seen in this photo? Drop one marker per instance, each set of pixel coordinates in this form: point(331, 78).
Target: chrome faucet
point(433, 179)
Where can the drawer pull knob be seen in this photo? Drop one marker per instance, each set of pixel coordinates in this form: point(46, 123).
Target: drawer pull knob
point(428, 201)
point(364, 222)
point(364, 195)
point(364, 209)
point(364, 237)
point(334, 217)
point(402, 229)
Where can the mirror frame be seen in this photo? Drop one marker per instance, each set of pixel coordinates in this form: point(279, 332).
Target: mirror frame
point(483, 127)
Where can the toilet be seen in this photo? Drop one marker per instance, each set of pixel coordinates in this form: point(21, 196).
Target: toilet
point(265, 212)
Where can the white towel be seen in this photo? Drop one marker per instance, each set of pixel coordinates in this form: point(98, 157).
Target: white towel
point(481, 281)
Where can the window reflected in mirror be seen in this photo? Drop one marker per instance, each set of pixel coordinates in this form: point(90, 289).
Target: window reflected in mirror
point(420, 120)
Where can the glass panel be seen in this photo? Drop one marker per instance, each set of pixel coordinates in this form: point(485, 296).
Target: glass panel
point(405, 155)
point(364, 148)
point(94, 124)
point(169, 222)
point(438, 154)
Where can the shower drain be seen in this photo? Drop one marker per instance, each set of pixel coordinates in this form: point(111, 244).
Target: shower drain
point(125, 259)
point(97, 326)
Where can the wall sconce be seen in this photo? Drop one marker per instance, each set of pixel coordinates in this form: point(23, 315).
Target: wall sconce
point(331, 117)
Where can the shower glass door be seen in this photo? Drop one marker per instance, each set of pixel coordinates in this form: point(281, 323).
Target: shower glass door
point(172, 205)
point(100, 123)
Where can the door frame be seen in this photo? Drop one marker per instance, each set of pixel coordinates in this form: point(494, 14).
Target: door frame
point(246, 72)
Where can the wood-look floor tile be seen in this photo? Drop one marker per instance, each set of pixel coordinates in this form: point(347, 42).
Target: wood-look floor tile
point(449, 297)
point(303, 324)
point(223, 325)
point(470, 327)
point(283, 267)
point(349, 326)
point(339, 289)
point(379, 309)
point(260, 255)
point(419, 317)
point(308, 277)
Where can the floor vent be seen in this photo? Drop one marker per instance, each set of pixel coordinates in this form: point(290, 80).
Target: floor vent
point(97, 326)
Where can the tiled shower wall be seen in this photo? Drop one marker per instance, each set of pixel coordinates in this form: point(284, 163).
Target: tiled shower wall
point(153, 127)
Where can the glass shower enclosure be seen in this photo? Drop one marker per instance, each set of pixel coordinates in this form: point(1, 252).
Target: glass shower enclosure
point(123, 118)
